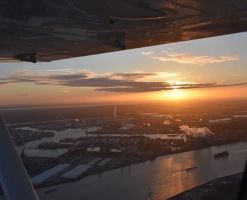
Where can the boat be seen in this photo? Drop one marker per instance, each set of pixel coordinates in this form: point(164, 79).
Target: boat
point(222, 154)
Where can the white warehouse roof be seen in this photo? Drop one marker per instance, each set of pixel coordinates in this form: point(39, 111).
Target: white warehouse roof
point(78, 170)
point(49, 173)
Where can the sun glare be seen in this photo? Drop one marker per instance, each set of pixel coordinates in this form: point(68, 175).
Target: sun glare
point(175, 94)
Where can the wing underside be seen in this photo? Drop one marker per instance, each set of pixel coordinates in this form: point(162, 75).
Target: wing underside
point(54, 29)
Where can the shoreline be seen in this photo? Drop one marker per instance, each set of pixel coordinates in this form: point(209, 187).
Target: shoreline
point(44, 185)
point(213, 185)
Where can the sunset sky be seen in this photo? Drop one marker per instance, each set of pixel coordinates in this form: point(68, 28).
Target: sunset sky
point(205, 69)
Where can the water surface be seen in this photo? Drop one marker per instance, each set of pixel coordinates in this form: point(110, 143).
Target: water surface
point(165, 176)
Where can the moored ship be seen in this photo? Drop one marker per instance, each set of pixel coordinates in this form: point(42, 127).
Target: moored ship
point(221, 154)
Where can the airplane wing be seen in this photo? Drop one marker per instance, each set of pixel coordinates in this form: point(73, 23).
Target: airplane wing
point(55, 29)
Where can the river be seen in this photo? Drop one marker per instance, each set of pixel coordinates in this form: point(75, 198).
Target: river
point(31, 148)
point(165, 176)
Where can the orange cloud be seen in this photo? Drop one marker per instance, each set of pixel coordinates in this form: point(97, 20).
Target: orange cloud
point(131, 82)
point(186, 58)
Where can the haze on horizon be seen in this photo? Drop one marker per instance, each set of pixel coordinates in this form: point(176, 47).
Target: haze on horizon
point(205, 69)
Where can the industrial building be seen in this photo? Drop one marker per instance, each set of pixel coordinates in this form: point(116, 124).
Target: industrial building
point(79, 170)
point(37, 180)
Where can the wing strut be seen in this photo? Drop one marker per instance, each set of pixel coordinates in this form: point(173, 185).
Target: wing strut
point(15, 181)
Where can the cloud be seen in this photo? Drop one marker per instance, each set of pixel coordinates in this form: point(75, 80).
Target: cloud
point(110, 82)
point(54, 70)
point(161, 86)
point(147, 53)
point(66, 91)
point(196, 132)
point(188, 58)
point(131, 76)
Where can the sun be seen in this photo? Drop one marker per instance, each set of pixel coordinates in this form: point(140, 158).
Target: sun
point(172, 95)
point(175, 94)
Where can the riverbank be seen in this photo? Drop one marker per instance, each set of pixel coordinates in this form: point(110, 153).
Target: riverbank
point(125, 161)
point(226, 188)
point(166, 176)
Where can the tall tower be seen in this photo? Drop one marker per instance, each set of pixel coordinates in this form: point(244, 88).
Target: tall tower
point(115, 112)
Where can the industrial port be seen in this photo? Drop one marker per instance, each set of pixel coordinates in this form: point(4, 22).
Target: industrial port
point(62, 149)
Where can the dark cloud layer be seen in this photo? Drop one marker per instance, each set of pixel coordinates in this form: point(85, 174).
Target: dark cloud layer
point(115, 82)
